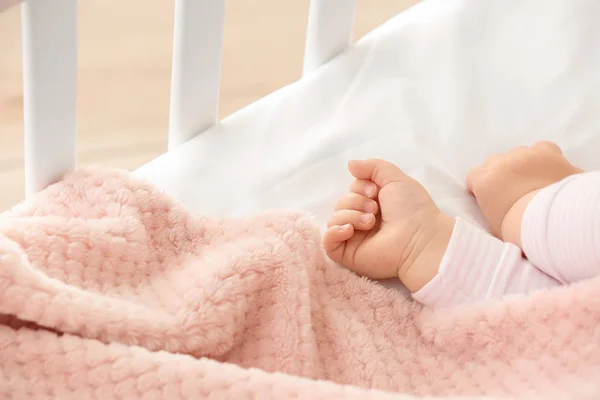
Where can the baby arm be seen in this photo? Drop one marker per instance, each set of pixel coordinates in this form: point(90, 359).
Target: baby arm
point(445, 261)
point(477, 266)
point(538, 204)
point(387, 225)
point(558, 227)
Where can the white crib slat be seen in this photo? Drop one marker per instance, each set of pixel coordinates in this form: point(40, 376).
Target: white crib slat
point(49, 30)
point(329, 32)
point(196, 74)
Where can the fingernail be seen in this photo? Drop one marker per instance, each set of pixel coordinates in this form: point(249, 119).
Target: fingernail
point(366, 218)
point(344, 227)
point(371, 207)
point(370, 189)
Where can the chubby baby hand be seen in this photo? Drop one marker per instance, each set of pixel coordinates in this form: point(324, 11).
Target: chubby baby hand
point(505, 184)
point(387, 225)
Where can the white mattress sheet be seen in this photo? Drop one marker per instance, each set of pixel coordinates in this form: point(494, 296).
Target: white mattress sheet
point(435, 90)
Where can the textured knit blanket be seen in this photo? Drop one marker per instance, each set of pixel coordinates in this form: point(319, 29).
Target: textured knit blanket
point(109, 289)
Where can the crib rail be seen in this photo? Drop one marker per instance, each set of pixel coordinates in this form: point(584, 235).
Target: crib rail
point(50, 74)
point(196, 70)
point(329, 31)
point(49, 32)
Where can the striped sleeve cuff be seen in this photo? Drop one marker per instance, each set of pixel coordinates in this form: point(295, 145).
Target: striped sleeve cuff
point(477, 266)
point(560, 231)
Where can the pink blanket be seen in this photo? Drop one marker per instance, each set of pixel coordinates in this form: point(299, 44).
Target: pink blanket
point(111, 290)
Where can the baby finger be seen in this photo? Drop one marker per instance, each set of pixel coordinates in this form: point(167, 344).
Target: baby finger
point(358, 202)
point(359, 220)
point(364, 187)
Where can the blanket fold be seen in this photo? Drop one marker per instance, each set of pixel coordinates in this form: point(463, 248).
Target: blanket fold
point(110, 289)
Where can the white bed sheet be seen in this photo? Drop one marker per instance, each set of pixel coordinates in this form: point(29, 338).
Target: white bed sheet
point(436, 90)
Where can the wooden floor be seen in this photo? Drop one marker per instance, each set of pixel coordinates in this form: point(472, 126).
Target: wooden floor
point(124, 74)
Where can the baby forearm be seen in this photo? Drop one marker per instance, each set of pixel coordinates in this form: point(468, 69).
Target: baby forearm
point(476, 266)
point(424, 266)
point(560, 228)
point(557, 228)
point(513, 221)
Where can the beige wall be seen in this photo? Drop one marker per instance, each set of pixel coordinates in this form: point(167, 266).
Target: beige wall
point(125, 55)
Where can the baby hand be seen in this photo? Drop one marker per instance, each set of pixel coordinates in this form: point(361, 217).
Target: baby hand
point(387, 226)
point(506, 183)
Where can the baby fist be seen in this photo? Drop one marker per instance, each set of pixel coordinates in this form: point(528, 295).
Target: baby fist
point(505, 179)
point(386, 226)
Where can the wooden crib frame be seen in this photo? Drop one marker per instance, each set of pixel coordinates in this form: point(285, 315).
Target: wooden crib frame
point(50, 74)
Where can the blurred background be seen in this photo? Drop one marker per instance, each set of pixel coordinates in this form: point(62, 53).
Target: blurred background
point(124, 74)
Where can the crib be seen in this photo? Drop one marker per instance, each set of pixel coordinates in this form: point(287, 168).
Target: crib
point(111, 289)
point(435, 89)
point(50, 74)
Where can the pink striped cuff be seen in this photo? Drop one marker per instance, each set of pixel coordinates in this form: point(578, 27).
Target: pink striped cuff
point(561, 228)
point(477, 266)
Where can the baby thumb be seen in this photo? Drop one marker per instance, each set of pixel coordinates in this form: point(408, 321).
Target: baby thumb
point(378, 171)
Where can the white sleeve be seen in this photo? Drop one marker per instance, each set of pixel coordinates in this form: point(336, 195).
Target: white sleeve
point(477, 266)
point(560, 232)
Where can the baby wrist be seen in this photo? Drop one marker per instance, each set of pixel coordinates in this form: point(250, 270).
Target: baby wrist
point(419, 271)
point(513, 220)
